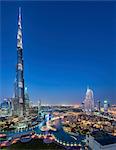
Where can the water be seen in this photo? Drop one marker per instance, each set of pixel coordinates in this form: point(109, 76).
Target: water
point(35, 144)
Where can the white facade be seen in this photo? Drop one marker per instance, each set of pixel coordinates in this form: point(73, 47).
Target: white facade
point(94, 145)
point(90, 141)
point(20, 67)
point(105, 106)
point(20, 84)
point(89, 101)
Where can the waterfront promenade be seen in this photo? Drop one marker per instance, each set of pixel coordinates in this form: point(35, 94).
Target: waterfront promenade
point(26, 134)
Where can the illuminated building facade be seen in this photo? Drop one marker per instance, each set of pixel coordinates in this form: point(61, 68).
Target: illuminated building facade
point(6, 107)
point(89, 101)
point(105, 106)
point(39, 107)
point(27, 101)
point(19, 87)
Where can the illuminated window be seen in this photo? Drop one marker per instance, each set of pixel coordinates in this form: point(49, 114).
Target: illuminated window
point(20, 84)
point(20, 67)
point(20, 100)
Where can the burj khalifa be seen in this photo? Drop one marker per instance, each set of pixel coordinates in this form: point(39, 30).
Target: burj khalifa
point(19, 90)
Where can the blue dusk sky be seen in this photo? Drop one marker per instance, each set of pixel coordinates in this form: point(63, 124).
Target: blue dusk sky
point(67, 47)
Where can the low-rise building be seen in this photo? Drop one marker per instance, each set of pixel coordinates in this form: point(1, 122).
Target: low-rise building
point(99, 140)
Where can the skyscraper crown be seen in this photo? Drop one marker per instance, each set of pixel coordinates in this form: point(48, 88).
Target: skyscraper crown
point(19, 34)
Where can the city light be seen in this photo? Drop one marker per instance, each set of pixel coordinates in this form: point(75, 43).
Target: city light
point(32, 117)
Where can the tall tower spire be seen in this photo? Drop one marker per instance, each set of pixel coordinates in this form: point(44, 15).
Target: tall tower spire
point(19, 34)
point(20, 70)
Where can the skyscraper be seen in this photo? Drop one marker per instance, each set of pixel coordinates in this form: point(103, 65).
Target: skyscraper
point(27, 101)
point(99, 105)
point(39, 107)
point(19, 93)
point(89, 101)
point(105, 106)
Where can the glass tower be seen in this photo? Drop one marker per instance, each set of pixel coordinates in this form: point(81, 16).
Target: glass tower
point(20, 71)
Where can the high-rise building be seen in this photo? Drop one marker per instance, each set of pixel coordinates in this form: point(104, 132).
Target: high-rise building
point(89, 101)
point(19, 87)
point(98, 105)
point(82, 106)
point(105, 106)
point(6, 106)
point(27, 101)
point(39, 107)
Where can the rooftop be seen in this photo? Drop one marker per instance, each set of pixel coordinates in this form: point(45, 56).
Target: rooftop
point(104, 138)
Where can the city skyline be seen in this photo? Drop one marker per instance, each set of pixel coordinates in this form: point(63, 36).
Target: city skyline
point(64, 51)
